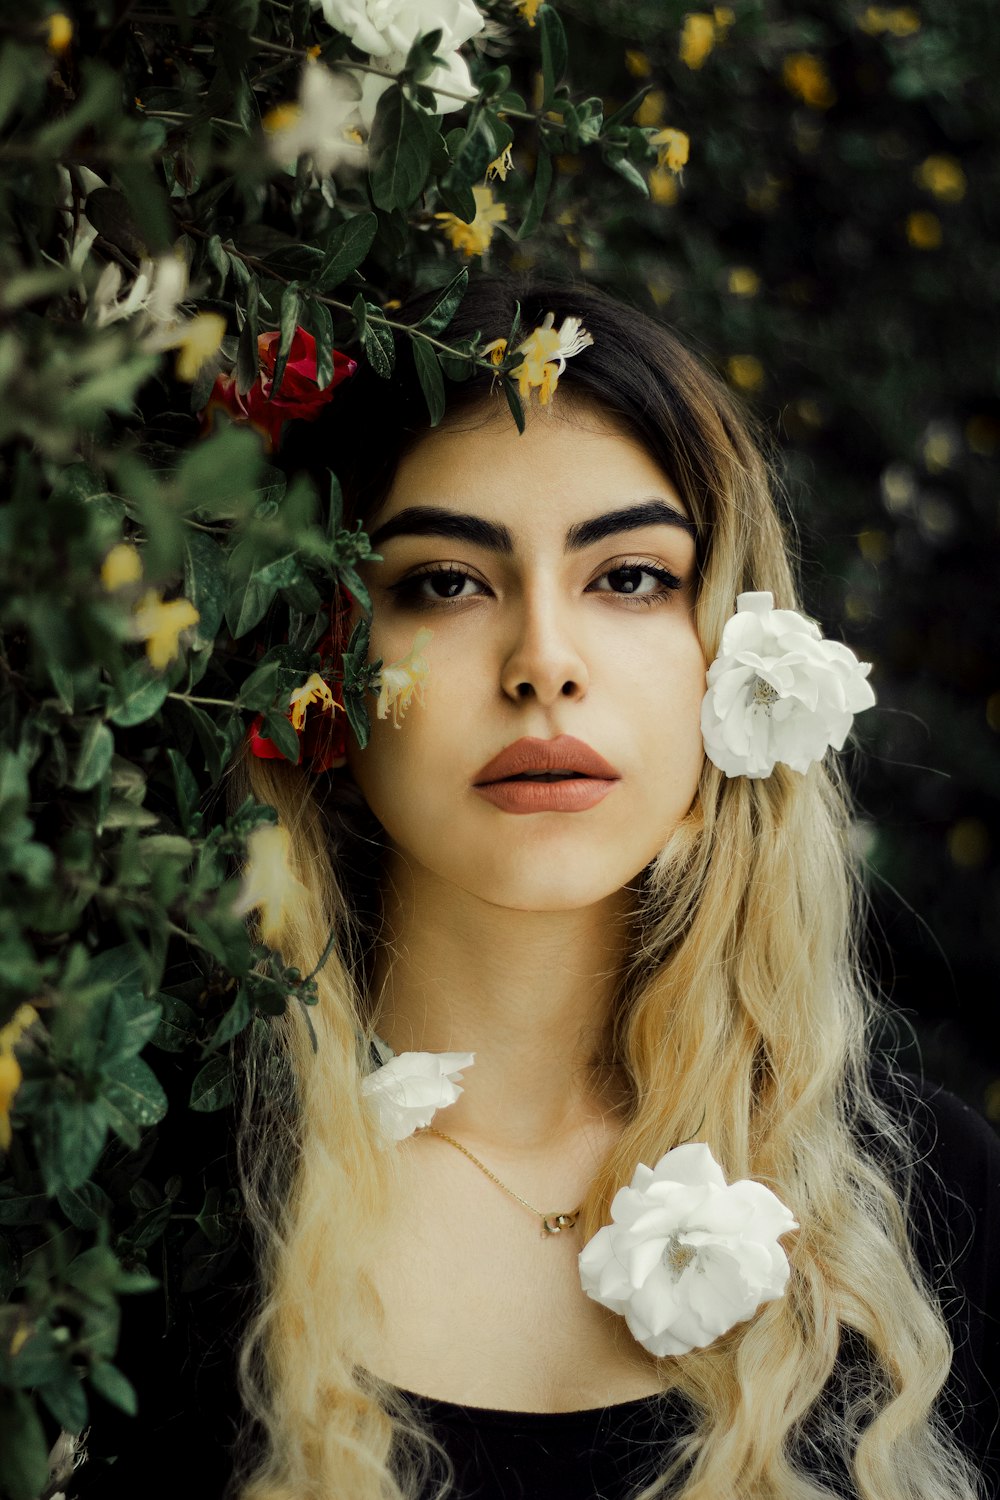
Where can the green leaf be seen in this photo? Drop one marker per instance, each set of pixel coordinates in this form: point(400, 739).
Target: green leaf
point(142, 697)
point(94, 759)
point(555, 54)
point(24, 1446)
point(204, 583)
point(485, 139)
point(213, 1087)
point(109, 1382)
point(66, 1399)
point(379, 344)
point(278, 729)
point(69, 1135)
point(539, 195)
point(186, 792)
point(134, 1089)
point(445, 305)
point(431, 380)
point(87, 1206)
point(177, 1026)
point(321, 325)
point(346, 248)
point(218, 478)
point(238, 1016)
point(631, 174)
point(401, 146)
point(514, 402)
point(260, 689)
point(288, 317)
point(247, 359)
point(218, 741)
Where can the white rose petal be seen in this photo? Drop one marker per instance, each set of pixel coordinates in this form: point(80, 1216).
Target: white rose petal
point(382, 27)
point(411, 1087)
point(777, 691)
point(687, 1257)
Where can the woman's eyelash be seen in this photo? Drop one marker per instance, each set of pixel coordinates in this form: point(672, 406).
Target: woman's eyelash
point(409, 589)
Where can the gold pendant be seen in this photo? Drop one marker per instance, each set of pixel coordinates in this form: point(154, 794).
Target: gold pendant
point(555, 1223)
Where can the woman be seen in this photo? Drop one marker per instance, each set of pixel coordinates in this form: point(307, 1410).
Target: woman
point(640, 946)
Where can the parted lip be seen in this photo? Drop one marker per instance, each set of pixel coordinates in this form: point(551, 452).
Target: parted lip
point(527, 757)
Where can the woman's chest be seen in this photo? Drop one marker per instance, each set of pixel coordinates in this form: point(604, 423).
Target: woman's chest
point(484, 1309)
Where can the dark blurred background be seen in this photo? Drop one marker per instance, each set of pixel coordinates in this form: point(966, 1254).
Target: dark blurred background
point(831, 248)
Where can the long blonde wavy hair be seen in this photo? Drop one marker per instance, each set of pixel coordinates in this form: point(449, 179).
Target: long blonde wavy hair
point(741, 1016)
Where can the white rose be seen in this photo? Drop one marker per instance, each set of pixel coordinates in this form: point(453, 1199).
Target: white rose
point(687, 1256)
point(411, 1087)
point(454, 77)
point(382, 27)
point(777, 691)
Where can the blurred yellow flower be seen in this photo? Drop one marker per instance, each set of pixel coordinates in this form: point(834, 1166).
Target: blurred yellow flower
point(529, 9)
point(805, 76)
point(724, 16)
point(544, 354)
point(942, 176)
point(474, 239)
point(673, 149)
point(697, 39)
point(269, 881)
point(196, 340)
point(503, 164)
point(923, 230)
point(898, 20)
point(663, 186)
point(10, 1068)
point(745, 371)
point(281, 117)
point(404, 680)
point(160, 623)
point(60, 30)
point(651, 109)
point(743, 282)
point(637, 63)
point(122, 566)
point(313, 690)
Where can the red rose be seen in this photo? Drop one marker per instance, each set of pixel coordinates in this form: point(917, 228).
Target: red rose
point(299, 398)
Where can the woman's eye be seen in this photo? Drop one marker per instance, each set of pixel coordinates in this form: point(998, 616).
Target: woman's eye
point(435, 584)
point(636, 580)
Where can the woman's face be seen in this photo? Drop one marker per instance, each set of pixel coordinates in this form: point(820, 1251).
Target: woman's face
point(556, 573)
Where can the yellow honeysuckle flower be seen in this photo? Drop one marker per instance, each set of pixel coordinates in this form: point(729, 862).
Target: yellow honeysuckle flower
point(268, 880)
point(637, 63)
point(10, 1068)
point(743, 282)
point(898, 20)
point(60, 29)
point(804, 75)
point(313, 690)
point(496, 351)
point(503, 164)
point(942, 176)
point(122, 566)
point(745, 371)
point(314, 52)
point(404, 680)
point(724, 17)
point(196, 340)
point(544, 354)
point(674, 148)
point(923, 230)
point(160, 623)
point(474, 239)
point(652, 109)
point(663, 186)
point(529, 9)
point(697, 39)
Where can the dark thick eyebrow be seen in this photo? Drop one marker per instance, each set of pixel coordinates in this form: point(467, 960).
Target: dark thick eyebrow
point(433, 520)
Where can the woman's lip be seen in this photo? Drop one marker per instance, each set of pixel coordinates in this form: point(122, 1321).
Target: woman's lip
point(575, 795)
point(528, 757)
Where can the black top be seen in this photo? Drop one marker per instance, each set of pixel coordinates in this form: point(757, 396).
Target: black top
point(187, 1390)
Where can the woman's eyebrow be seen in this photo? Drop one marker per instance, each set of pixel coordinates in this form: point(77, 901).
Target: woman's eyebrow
point(434, 520)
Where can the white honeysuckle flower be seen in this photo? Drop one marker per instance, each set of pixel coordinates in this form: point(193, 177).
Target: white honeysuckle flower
point(777, 691)
point(157, 291)
point(382, 27)
point(687, 1256)
point(544, 354)
point(408, 1090)
point(403, 680)
point(323, 125)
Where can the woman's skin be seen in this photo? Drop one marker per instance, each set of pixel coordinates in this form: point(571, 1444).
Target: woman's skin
point(507, 930)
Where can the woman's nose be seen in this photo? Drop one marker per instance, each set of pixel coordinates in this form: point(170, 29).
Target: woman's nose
point(544, 662)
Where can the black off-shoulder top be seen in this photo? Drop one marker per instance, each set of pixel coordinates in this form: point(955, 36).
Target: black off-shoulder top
point(181, 1442)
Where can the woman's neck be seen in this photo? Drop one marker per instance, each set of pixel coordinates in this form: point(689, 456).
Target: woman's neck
point(530, 993)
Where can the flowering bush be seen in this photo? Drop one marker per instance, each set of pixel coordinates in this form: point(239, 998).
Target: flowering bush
point(687, 1256)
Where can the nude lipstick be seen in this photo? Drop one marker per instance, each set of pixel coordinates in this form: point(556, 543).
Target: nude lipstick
point(558, 775)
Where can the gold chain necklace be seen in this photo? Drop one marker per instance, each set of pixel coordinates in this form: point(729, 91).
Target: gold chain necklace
point(552, 1223)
